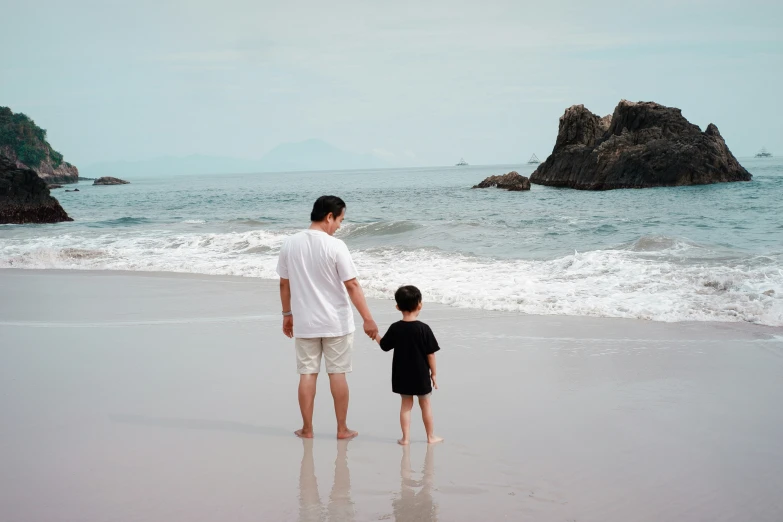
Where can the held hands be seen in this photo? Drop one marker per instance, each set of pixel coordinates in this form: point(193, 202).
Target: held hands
point(371, 329)
point(288, 325)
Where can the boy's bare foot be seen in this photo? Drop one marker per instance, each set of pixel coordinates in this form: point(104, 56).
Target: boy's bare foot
point(347, 434)
point(304, 434)
point(434, 439)
point(403, 442)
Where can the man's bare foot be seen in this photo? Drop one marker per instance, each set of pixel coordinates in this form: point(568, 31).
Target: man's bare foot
point(347, 434)
point(403, 442)
point(434, 439)
point(304, 434)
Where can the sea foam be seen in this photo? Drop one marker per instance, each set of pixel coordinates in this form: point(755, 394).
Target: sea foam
point(655, 278)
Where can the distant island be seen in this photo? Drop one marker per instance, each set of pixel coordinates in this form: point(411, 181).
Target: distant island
point(24, 143)
point(305, 155)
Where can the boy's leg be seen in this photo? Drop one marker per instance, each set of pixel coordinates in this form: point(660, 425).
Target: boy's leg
point(426, 416)
point(405, 419)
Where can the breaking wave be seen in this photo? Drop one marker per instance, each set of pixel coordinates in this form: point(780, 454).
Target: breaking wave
point(655, 277)
point(383, 228)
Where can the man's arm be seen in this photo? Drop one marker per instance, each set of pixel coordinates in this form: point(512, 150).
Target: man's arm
point(356, 294)
point(433, 370)
point(285, 300)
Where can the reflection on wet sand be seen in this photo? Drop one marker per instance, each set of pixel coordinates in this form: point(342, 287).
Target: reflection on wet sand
point(412, 505)
point(340, 507)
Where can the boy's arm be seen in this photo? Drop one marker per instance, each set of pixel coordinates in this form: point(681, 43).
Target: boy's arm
point(433, 370)
point(387, 341)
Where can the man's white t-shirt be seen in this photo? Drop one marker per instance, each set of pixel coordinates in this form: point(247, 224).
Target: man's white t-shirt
point(317, 265)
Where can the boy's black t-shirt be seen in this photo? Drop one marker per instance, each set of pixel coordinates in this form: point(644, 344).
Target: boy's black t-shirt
point(411, 341)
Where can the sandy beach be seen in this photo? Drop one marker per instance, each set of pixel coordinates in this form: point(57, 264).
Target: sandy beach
point(160, 397)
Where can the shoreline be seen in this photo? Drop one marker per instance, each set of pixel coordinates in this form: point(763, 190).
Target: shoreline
point(271, 285)
point(173, 396)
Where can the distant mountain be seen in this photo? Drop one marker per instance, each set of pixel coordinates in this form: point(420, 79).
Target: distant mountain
point(287, 157)
point(316, 155)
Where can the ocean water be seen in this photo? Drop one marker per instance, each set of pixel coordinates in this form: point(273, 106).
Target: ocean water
point(667, 254)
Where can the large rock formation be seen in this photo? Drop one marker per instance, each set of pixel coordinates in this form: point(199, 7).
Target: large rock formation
point(25, 143)
point(108, 180)
point(24, 196)
point(512, 181)
point(641, 145)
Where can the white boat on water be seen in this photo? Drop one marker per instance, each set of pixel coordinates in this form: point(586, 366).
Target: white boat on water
point(462, 163)
point(763, 153)
point(534, 160)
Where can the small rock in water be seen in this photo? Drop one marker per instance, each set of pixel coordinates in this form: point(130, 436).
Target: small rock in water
point(769, 292)
point(108, 180)
point(512, 181)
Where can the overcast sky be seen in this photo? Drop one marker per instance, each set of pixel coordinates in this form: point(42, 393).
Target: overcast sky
point(420, 82)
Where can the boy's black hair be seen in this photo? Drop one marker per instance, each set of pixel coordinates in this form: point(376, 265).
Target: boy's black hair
point(408, 298)
point(325, 205)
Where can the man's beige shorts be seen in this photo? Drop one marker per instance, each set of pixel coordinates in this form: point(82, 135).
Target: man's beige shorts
point(337, 351)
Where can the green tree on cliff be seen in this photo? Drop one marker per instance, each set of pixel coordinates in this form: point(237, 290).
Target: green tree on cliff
point(26, 139)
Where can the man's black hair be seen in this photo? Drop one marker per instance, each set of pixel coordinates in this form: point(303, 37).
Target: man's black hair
point(408, 298)
point(325, 205)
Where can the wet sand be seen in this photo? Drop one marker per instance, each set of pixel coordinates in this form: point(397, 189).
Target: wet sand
point(143, 396)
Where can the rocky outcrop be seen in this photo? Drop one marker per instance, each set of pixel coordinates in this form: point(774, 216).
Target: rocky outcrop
point(108, 180)
point(24, 196)
point(64, 172)
point(25, 143)
point(512, 181)
point(641, 145)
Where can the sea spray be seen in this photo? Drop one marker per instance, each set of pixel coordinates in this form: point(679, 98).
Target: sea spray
point(635, 281)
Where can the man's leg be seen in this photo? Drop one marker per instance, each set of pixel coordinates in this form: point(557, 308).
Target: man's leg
point(308, 364)
point(339, 387)
point(338, 353)
point(307, 384)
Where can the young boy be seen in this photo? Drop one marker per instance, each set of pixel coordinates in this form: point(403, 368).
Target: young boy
point(413, 365)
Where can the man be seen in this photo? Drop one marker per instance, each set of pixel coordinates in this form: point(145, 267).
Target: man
point(317, 285)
